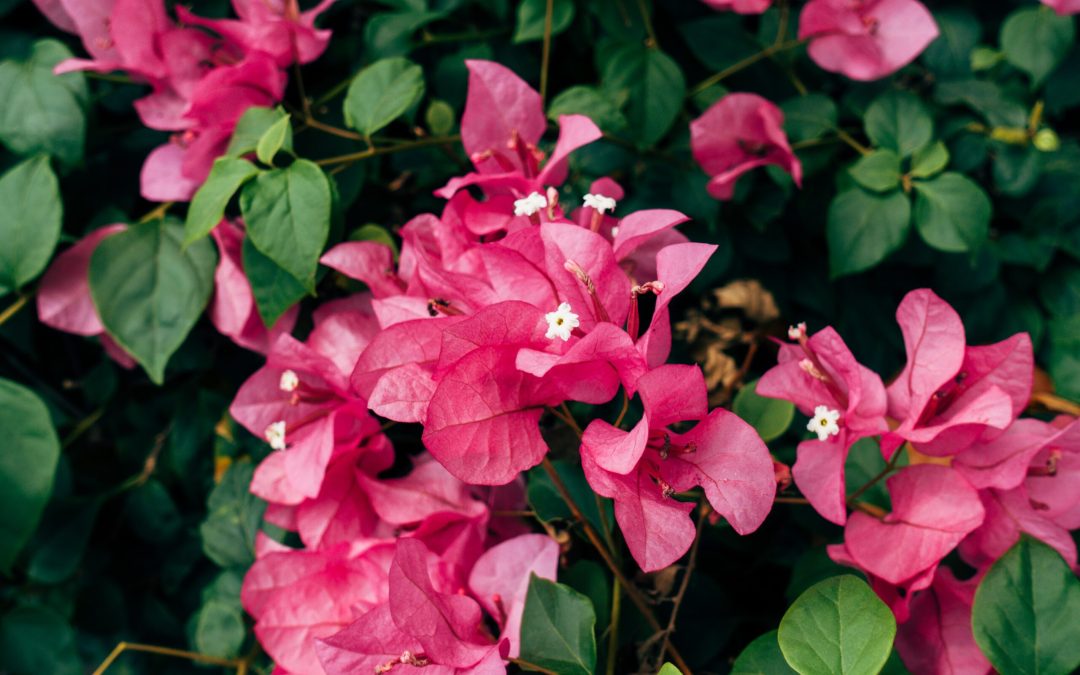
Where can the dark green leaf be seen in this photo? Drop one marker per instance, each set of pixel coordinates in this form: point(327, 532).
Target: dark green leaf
point(29, 221)
point(208, 206)
point(950, 53)
point(381, 93)
point(66, 531)
point(1025, 611)
point(219, 629)
point(864, 228)
point(592, 580)
point(770, 417)
point(1063, 357)
point(272, 140)
point(864, 463)
point(43, 112)
point(655, 86)
point(592, 103)
point(718, 41)
point(152, 513)
point(531, 19)
point(549, 504)
point(37, 640)
point(233, 518)
point(809, 117)
point(287, 212)
point(557, 628)
point(837, 626)
point(28, 459)
point(879, 171)
point(952, 213)
point(440, 118)
point(762, 657)
point(150, 291)
point(251, 127)
point(275, 290)
point(899, 121)
point(930, 160)
point(1036, 39)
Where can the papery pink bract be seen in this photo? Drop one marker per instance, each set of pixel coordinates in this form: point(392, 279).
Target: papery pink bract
point(738, 133)
point(1062, 7)
point(740, 6)
point(500, 109)
point(1009, 514)
point(937, 638)
point(63, 296)
point(866, 39)
point(1003, 462)
point(933, 509)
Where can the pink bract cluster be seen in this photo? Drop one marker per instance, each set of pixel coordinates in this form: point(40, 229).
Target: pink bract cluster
point(978, 476)
point(499, 310)
point(203, 73)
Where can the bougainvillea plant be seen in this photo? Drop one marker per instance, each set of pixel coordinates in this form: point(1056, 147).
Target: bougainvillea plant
point(450, 336)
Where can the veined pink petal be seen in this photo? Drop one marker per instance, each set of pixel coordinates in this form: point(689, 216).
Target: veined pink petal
point(819, 473)
point(612, 449)
point(575, 131)
point(1003, 462)
point(367, 261)
point(427, 489)
point(162, 178)
point(63, 297)
point(676, 267)
point(938, 636)
point(1009, 513)
point(499, 107)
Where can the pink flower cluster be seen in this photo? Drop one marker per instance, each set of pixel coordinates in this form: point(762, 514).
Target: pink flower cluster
point(204, 74)
point(863, 39)
point(978, 477)
point(497, 311)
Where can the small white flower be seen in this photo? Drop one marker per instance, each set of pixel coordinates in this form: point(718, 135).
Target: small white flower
point(275, 435)
point(824, 423)
point(289, 381)
point(614, 231)
point(561, 322)
point(600, 203)
point(528, 206)
point(797, 332)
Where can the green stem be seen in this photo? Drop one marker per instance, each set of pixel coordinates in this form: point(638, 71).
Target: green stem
point(13, 309)
point(545, 55)
point(744, 64)
point(374, 152)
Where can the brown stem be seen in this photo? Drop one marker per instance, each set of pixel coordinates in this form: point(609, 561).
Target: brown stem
point(632, 591)
point(650, 41)
point(239, 664)
point(1047, 400)
point(791, 500)
point(13, 309)
point(742, 65)
point(613, 629)
point(545, 55)
point(889, 466)
point(702, 517)
point(331, 129)
point(373, 152)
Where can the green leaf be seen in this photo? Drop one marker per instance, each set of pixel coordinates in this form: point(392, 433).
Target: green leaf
point(949, 54)
point(1036, 39)
point(28, 459)
point(38, 640)
point(952, 213)
point(272, 140)
point(1063, 356)
point(275, 290)
point(208, 206)
point(149, 290)
point(771, 417)
point(899, 121)
point(439, 117)
point(548, 503)
point(762, 657)
point(29, 221)
point(1025, 612)
point(557, 628)
point(838, 626)
point(809, 117)
point(930, 160)
point(377, 233)
point(655, 86)
point(232, 520)
point(382, 92)
point(287, 212)
point(152, 513)
point(864, 462)
point(251, 127)
point(669, 669)
point(879, 171)
point(592, 103)
point(531, 19)
point(43, 112)
point(66, 532)
point(864, 228)
point(219, 629)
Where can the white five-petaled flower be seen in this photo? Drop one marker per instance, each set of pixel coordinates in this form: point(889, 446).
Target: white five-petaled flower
point(275, 435)
point(561, 322)
point(600, 203)
point(289, 381)
point(527, 206)
point(824, 423)
point(797, 332)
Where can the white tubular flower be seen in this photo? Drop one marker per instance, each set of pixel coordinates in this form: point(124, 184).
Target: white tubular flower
point(796, 332)
point(600, 203)
point(824, 423)
point(561, 322)
point(275, 435)
point(530, 205)
point(289, 381)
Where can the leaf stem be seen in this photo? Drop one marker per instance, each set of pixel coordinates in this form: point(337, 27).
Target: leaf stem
point(889, 466)
point(743, 64)
point(373, 152)
point(545, 54)
point(650, 41)
point(239, 664)
point(613, 630)
point(632, 591)
point(13, 309)
point(690, 563)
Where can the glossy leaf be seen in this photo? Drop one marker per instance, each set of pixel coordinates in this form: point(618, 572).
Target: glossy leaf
point(208, 206)
point(272, 140)
point(150, 291)
point(879, 171)
point(929, 160)
point(1025, 610)
point(29, 221)
point(952, 213)
point(864, 228)
point(655, 86)
point(381, 93)
point(274, 289)
point(557, 628)
point(1035, 40)
point(770, 417)
point(762, 657)
point(531, 19)
point(28, 459)
point(232, 519)
point(251, 127)
point(899, 121)
point(837, 626)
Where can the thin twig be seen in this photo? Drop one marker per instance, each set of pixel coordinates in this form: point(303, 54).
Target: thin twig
point(332, 130)
point(741, 65)
point(650, 41)
point(239, 664)
point(702, 517)
point(1047, 400)
point(13, 309)
point(373, 152)
point(889, 466)
point(545, 54)
point(613, 630)
point(84, 425)
point(791, 500)
point(632, 591)
point(625, 407)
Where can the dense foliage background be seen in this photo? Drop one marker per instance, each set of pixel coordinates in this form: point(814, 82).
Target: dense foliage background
point(959, 173)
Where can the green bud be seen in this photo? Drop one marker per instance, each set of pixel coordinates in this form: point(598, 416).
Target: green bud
point(1047, 140)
